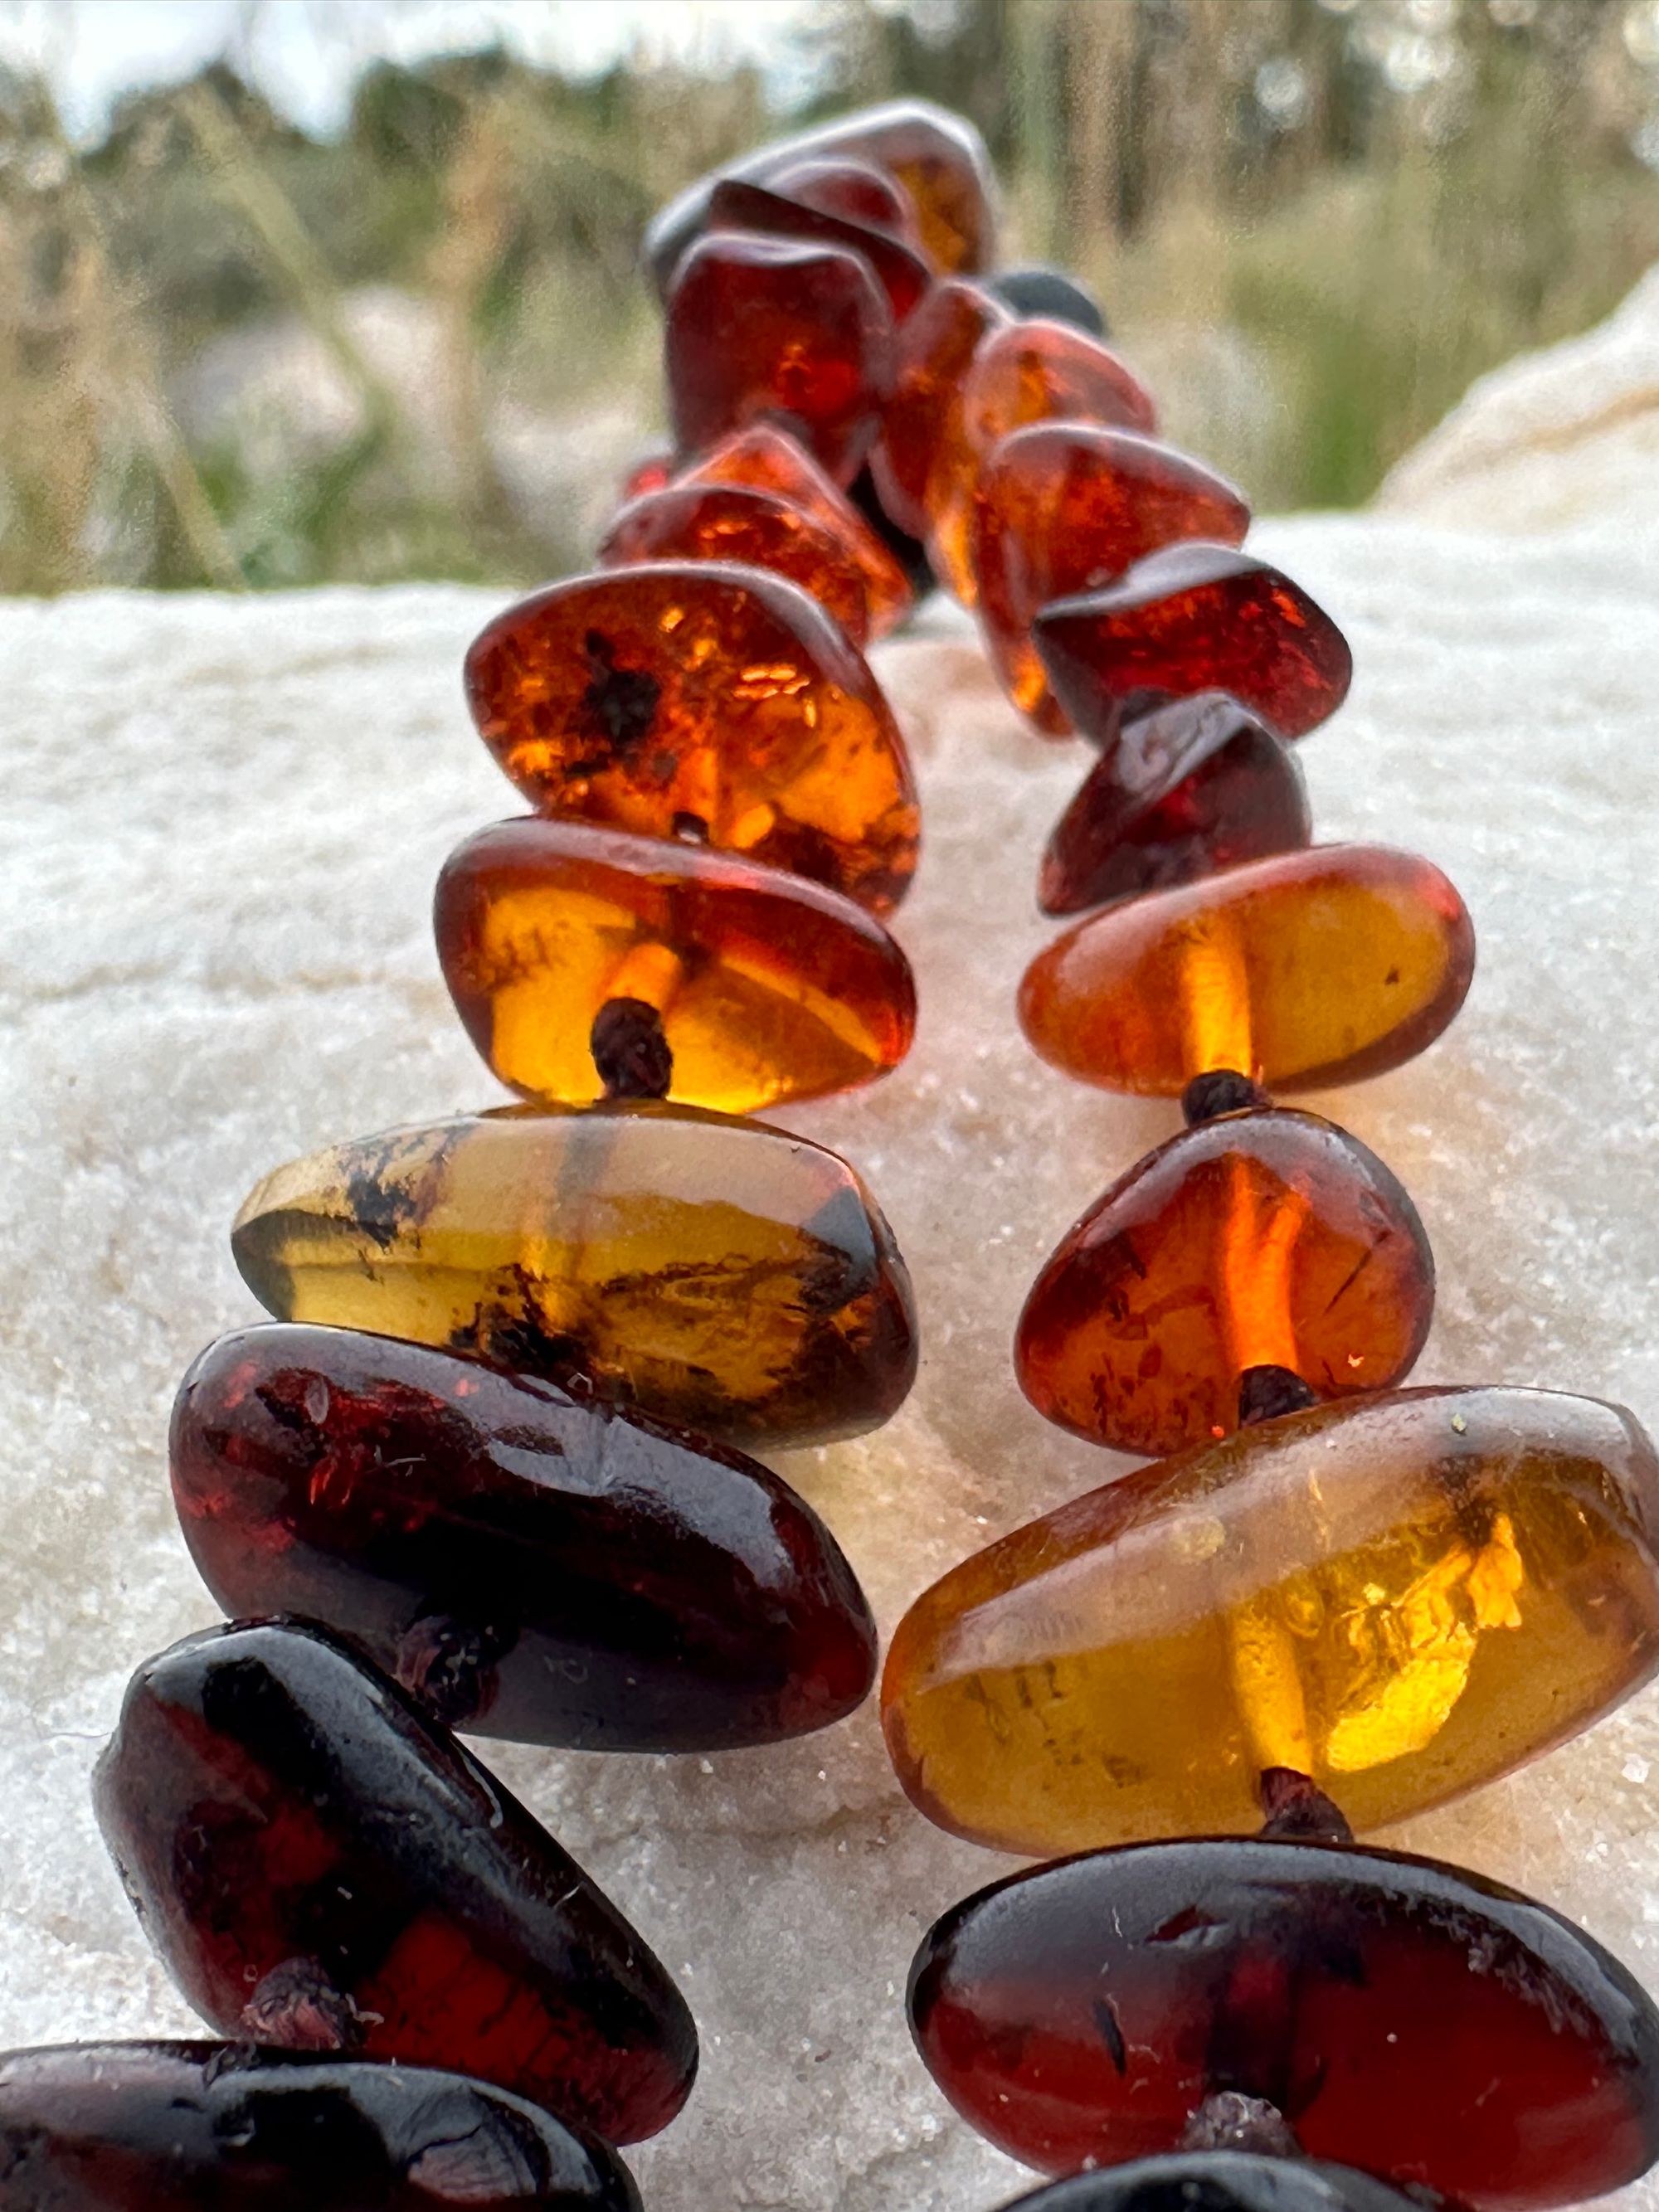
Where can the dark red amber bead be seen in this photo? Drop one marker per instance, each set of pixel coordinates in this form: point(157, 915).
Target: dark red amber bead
point(770, 212)
point(1224, 2181)
point(1425, 2025)
point(212, 2127)
point(856, 191)
point(920, 421)
point(788, 330)
point(321, 1866)
point(1194, 618)
point(530, 1567)
point(1197, 787)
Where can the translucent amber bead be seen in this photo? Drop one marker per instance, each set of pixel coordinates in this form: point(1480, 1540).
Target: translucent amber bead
point(1265, 1239)
point(1194, 618)
point(1306, 970)
point(721, 1274)
point(934, 349)
point(769, 210)
point(856, 191)
point(765, 986)
point(1062, 507)
point(784, 330)
point(718, 702)
point(1438, 2030)
point(1402, 1596)
point(1199, 787)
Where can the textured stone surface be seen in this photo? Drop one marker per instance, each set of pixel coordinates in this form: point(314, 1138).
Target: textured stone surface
point(221, 826)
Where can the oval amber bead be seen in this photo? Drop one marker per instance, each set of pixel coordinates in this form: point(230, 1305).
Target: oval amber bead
point(1265, 1239)
point(1433, 2029)
point(205, 2127)
point(1305, 969)
point(480, 1535)
point(1401, 1596)
point(321, 1866)
point(722, 703)
point(769, 210)
point(718, 1275)
point(935, 347)
point(766, 987)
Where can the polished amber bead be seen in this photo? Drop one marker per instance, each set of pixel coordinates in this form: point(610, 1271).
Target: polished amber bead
point(719, 702)
point(721, 1275)
point(1264, 1239)
point(856, 191)
point(1034, 288)
point(764, 987)
point(769, 210)
point(935, 347)
point(207, 2127)
point(1435, 2029)
point(1224, 2181)
point(1402, 1596)
point(1065, 507)
point(767, 459)
point(1307, 969)
point(1194, 618)
point(530, 1566)
point(782, 330)
point(321, 1866)
point(1199, 787)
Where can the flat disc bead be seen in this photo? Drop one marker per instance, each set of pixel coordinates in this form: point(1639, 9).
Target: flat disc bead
point(773, 211)
point(1402, 1596)
point(1269, 1238)
point(215, 2127)
point(318, 1866)
point(767, 988)
point(675, 693)
point(934, 349)
point(482, 1534)
point(1431, 2027)
point(1305, 969)
point(1224, 2181)
point(717, 1274)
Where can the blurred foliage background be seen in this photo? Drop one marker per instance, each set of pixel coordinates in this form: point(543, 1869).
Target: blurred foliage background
point(236, 354)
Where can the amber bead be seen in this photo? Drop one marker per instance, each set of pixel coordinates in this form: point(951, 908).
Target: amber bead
point(765, 988)
point(858, 192)
point(1201, 786)
point(766, 459)
point(675, 699)
point(1062, 507)
point(529, 1565)
point(935, 347)
point(1224, 2181)
point(783, 330)
point(1306, 970)
point(718, 1275)
point(1423, 2024)
point(212, 2127)
point(321, 1866)
point(1401, 1596)
point(1194, 618)
point(1265, 1239)
point(1033, 288)
point(770, 211)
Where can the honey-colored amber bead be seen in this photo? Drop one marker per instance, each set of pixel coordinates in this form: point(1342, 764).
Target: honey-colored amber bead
point(1306, 970)
point(1263, 1239)
point(1401, 1596)
point(738, 204)
point(766, 459)
point(724, 1275)
point(764, 987)
point(1063, 507)
point(703, 700)
point(934, 349)
point(1193, 618)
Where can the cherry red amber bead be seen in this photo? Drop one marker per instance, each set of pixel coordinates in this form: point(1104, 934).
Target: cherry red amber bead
point(1063, 507)
point(1305, 969)
point(1197, 788)
point(790, 330)
point(1263, 1239)
point(1194, 618)
point(321, 1866)
point(714, 702)
point(530, 1566)
point(935, 347)
point(1429, 2026)
point(204, 2127)
point(770, 210)
point(856, 191)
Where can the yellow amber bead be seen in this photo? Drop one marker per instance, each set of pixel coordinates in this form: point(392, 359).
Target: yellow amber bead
point(721, 1274)
point(1401, 1596)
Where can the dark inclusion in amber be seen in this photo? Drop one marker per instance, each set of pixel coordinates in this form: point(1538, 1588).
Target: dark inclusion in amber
point(773, 211)
point(1194, 618)
point(678, 699)
point(1196, 788)
point(211, 2127)
point(1224, 2181)
point(1425, 2025)
point(531, 1566)
point(321, 1866)
point(790, 331)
